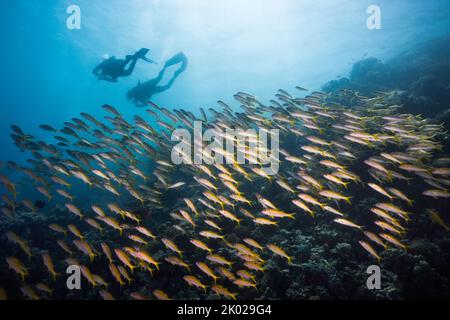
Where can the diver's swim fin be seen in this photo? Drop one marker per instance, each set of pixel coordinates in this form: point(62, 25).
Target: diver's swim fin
point(141, 53)
point(148, 60)
point(179, 57)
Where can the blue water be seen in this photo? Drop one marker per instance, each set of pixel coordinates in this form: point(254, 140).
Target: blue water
point(255, 46)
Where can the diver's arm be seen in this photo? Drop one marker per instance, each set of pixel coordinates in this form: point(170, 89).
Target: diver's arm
point(106, 78)
point(101, 76)
point(138, 103)
point(97, 69)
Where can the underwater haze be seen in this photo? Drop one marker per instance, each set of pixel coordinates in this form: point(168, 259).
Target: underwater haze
point(339, 112)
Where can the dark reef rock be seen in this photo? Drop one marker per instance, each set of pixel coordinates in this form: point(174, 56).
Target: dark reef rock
point(366, 76)
point(370, 75)
point(422, 74)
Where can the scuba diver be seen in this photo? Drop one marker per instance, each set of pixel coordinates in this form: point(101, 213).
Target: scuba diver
point(112, 68)
point(140, 94)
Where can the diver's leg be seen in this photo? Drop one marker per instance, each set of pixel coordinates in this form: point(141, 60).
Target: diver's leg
point(182, 68)
point(174, 77)
point(134, 58)
point(127, 72)
point(165, 87)
point(155, 81)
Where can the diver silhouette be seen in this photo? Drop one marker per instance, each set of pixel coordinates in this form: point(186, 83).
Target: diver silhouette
point(112, 68)
point(142, 92)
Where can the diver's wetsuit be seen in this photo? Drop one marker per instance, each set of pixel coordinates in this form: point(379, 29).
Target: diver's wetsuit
point(111, 69)
point(143, 92)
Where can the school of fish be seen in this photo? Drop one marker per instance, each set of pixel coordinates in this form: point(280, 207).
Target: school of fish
point(328, 153)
